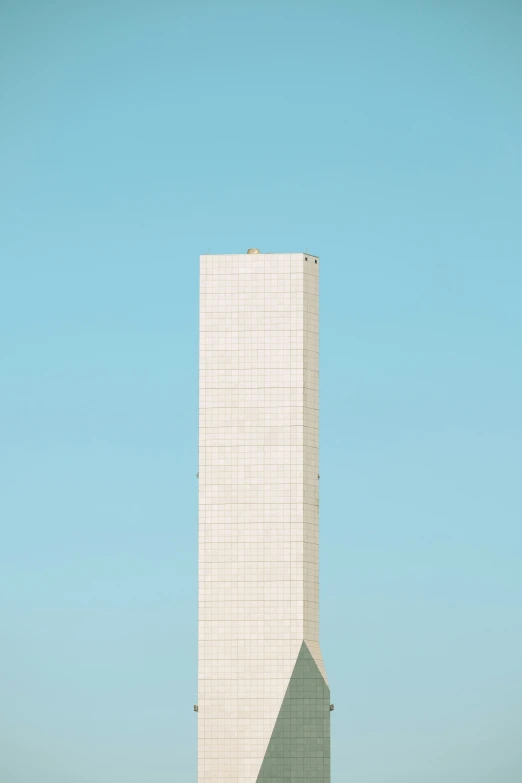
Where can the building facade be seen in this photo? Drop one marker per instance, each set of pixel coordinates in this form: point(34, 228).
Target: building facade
point(263, 696)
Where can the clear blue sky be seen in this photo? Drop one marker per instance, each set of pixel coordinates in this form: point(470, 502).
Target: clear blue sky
point(385, 137)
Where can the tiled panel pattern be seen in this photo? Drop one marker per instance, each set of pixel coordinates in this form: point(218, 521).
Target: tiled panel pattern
point(311, 457)
point(299, 748)
point(311, 449)
point(258, 510)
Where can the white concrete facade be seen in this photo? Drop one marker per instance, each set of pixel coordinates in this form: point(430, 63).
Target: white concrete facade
point(258, 499)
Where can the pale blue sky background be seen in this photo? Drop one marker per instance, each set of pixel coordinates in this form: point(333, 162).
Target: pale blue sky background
point(385, 137)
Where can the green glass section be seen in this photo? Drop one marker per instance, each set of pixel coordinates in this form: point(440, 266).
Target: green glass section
point(299, 748)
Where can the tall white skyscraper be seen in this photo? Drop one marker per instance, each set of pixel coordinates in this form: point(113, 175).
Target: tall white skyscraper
point(263, 697)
